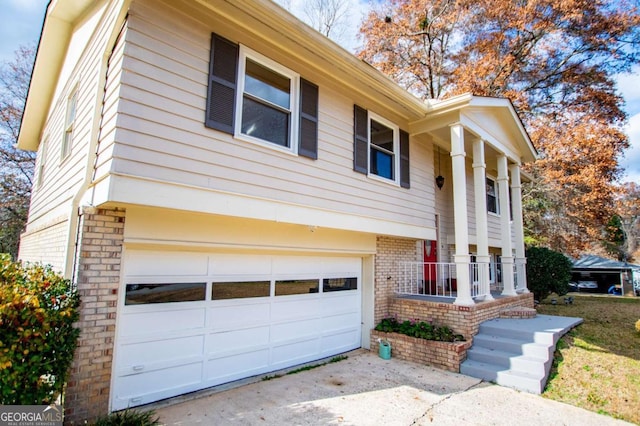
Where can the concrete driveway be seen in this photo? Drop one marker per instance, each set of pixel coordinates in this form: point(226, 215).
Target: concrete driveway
point(367, 390)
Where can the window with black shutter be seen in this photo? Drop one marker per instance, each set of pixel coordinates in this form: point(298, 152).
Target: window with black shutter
point(380, 148)
point(258, 100)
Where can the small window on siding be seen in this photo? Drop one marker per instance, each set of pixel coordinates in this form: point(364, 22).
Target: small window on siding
point(339, 284)
point(289, 287)
point(240, 289)
point(69, 122)
point(492, 197)
point(140, 294)
point(42, 161)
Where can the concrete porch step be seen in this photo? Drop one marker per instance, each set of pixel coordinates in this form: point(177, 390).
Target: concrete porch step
point(508, 360)
point(516, 353)
point(521, 380)
point(513, 346)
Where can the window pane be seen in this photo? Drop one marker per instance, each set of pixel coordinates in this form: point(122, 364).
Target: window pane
point(381, 164)
point(381, 150)
point(265, 122)
point(240, 290)
point(339, 284)
point(286, 287)
point(267, 84)
point(139, 294)
point(492, 199)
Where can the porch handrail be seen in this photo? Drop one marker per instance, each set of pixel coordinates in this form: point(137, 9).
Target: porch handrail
point(438, 279)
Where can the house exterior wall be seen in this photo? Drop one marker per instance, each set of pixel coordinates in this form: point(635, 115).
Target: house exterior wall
point(62, 176)
point(46, 243)
point(98, 282)
point(389, 253)
point(161, 140)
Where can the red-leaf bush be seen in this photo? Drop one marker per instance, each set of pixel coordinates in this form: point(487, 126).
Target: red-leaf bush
point(37, 339)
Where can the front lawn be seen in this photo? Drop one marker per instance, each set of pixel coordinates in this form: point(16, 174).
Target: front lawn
point(597, 364)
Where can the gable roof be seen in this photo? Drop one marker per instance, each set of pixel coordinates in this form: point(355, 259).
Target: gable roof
point(596, 262)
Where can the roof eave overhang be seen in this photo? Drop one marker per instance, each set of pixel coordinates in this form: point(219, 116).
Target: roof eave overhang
point(52, 47)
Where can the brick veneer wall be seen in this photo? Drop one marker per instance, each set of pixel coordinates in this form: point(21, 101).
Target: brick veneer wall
point(440, 354)
point(463, 320)
point(98, 263)
point(389, 253)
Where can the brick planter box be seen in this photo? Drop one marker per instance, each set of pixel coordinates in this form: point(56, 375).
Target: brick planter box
point(445, 355)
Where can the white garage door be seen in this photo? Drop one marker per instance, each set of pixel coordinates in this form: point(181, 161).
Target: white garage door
point(189, 321)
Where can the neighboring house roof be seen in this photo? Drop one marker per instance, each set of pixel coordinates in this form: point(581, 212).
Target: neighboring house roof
point(600, 263)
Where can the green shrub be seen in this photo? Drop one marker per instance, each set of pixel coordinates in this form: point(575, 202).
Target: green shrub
point(37, 339)
point(548, 272)
point(129, 418)
point(419, 329)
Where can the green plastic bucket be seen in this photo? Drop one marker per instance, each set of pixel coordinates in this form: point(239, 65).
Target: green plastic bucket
point(384, 350)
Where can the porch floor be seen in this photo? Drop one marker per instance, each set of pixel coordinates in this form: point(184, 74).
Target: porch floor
point(443, 299)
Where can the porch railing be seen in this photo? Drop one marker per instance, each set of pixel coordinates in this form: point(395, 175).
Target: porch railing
point(439, 279)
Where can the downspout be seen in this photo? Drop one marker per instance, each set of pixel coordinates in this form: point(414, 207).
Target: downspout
point(73, 230)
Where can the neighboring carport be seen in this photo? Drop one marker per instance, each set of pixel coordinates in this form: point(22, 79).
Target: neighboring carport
point(607, 272)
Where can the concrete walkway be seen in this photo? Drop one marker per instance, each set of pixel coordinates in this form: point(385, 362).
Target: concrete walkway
point(367, 390)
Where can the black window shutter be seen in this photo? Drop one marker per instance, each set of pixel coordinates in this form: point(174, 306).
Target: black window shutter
point(360, 139)
point(308, 131)
point(404, 159)
point(221, 95)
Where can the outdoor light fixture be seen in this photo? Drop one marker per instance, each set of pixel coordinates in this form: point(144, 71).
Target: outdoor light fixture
point(440, 178)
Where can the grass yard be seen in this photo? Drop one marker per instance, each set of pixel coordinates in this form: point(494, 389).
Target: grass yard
point(597, 364)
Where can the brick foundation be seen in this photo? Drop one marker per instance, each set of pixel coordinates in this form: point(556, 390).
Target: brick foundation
point(444, 355)
point(463, 320)
point(98, 263)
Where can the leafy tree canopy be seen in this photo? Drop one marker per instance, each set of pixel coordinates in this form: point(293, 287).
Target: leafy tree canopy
point(556, 61)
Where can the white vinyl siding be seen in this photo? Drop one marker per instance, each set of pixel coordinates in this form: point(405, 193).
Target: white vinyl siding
point(161, 135)
point(52, 199)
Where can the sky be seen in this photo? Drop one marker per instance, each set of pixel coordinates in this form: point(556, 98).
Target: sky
point(21, 22)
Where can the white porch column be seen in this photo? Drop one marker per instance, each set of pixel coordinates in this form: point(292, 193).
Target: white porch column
point(461, 221)
point(505, 226)
point(482, 228)
point(518, 228)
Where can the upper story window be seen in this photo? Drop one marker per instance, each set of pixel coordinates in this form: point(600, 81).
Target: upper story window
point(493, 206)
point(381, 149)
point(256, 99)
point(69, 122)
point(266, 104)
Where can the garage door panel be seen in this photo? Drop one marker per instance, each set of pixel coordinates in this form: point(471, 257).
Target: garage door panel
point(237, 340)
point(338, 342)
point(347, 301)
point(168, 264)
point(231, 317)
point(236, 366)
point(234, 265)
point(301, 329)
point(295, 352)
point(339, 322)
point(160, 350)
point(136, 385)
point(288, 308)
point(144, 323)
